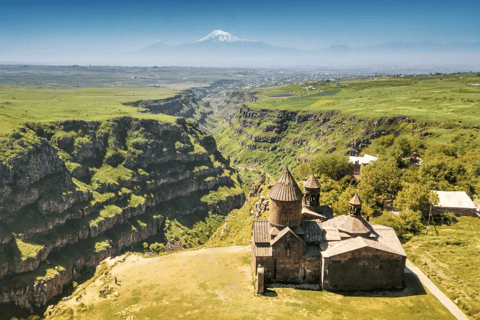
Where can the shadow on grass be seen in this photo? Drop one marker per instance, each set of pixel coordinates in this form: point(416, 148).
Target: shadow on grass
point(413, 287)
point(270, 293)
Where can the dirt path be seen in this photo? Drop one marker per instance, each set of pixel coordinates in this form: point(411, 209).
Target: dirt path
point(411, 268)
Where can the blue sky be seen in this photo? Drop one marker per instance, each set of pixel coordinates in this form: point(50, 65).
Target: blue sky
point(102, 27)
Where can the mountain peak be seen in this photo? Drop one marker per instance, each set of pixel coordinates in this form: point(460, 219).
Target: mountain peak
point(220, 35)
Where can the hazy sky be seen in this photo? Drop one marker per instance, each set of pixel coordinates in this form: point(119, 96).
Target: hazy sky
point(102, 27)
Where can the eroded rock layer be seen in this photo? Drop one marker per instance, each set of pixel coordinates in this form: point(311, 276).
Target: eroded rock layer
point(76, 192)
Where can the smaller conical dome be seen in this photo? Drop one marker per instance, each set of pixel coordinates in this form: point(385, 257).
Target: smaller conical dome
point(354, 225)
point(355, 201)
point(286, 188)
point(312, 183)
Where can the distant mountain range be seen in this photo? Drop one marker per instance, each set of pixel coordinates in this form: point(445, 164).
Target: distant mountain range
point(404, 47)
point(222, 49)
point(218, 42)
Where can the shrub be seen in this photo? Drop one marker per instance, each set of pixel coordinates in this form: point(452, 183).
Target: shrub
point(156, 247)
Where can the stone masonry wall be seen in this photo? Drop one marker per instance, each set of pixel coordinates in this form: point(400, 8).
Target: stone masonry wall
point(363, 269)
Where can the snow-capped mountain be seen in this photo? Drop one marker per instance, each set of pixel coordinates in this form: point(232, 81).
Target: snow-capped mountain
point(221, 36)
point(220, 47)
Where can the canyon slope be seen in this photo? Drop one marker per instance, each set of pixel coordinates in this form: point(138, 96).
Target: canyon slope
point(76, 192)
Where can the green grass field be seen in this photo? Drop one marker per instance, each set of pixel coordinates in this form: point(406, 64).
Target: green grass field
point(42, 105)
point(446, 99)
point(451, 260)
point(217, 283)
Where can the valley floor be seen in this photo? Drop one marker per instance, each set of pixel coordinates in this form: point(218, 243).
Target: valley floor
point(217, 282)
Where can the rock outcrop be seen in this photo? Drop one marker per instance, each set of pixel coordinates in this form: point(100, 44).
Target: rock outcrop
point(76, 192)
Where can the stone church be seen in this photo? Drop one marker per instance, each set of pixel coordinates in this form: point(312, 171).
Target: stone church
point(299, 245)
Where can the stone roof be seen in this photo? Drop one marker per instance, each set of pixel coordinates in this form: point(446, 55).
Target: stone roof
point(312, 214)
point(454, 199)
point(299, 231)
point(388, 237)
point(353, 225)
point(274, 231)
point(263, 251)
point(312, 183)
point(286, 188)
point(356, 200)
point(354, 244)
point(313, 231)
point(332, 234)
point(282, 234)
point(261, 230)
point(312, 251)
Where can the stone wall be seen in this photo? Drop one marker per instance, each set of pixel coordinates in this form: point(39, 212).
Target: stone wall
point(313, 269)
point(363, 269)
point(285, 213)
point(459, 212)
point(288, 253)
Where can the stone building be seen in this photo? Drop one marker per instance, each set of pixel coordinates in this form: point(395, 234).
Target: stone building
point(457, 202)
point(359, 163)
point(299, 245)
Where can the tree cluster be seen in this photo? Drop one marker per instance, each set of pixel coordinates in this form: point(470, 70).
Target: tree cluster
point(391, 183)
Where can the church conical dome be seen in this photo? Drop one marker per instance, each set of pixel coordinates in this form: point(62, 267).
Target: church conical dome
point(356, 200)
point(286, 188)
point(312, 183)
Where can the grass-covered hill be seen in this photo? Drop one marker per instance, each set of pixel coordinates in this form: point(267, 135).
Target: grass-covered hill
point(75, 192)
point(217, 282)
point(20, 104)
point(290, 124)
point(450, 255)
point(446, 98)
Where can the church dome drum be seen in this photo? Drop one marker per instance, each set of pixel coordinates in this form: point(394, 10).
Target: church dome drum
point(285, 202)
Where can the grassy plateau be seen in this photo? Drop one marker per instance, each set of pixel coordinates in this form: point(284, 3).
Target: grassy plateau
point(447, 98)
point(220, 286)
point(43, 105)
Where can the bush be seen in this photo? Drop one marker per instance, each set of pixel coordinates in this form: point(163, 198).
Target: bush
point(156, 247)
point(448, 217)
point(404, 223)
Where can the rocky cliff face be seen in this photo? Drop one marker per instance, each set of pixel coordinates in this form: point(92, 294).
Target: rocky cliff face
point(76, 192)
point(297, 136)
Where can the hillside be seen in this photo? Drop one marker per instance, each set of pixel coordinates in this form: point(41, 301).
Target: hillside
point(292, 124)
point(220, 284)
point(128, 175)
point(76, 192)
point(450, 258)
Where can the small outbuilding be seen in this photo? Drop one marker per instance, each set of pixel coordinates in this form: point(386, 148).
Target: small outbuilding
point(457, 202)
point(359, 163)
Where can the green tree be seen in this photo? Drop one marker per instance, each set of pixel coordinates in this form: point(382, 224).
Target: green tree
point(343, 201)
point(302, 171)
point(404, 223)
point(411, 220)
point(414, 196)
point(380, 181)
point(335, 166)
